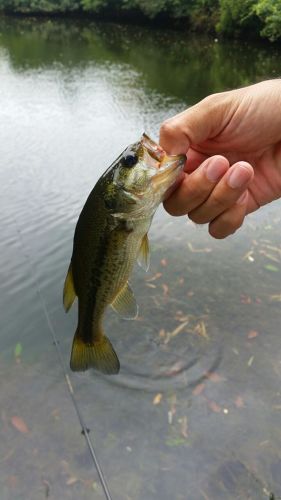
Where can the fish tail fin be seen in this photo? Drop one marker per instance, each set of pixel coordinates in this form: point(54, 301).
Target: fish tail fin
point(99, 355)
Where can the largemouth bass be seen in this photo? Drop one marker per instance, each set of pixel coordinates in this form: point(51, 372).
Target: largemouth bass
point(110, 235)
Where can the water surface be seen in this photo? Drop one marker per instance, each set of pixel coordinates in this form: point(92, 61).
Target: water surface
point(195, 412)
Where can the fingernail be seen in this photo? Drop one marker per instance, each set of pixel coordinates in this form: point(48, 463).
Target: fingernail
point(239, 176)
point(243, 198)
point(215, 169)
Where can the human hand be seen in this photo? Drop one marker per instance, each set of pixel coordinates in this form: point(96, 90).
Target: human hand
point(233, 146)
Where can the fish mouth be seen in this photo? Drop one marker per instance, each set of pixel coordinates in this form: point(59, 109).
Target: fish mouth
point(155, 151)
point(167, 166)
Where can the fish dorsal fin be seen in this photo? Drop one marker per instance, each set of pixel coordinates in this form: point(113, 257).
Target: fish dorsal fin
point(125, 303)
point(144, 254)
point(69, 293)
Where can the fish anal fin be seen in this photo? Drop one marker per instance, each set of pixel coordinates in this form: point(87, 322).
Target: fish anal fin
point(99, 355)
point(144, 253)
point(125, 303)
point(69, 293)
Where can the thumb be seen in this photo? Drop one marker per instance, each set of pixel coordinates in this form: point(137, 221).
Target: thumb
point(196, 124)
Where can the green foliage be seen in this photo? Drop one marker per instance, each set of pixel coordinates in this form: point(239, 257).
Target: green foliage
point(237, 16)
point(269, 12)
point(227, 17)
point(98, 5)
point(204, 14)
point(173, 8)
point(18, 350)
point(40, 6)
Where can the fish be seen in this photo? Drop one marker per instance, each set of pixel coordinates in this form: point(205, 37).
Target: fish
point(110, 236)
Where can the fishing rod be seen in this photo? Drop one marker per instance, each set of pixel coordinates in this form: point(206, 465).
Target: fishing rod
point(84, 429)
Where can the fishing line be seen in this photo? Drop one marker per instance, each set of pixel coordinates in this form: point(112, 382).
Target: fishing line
point(84, 429)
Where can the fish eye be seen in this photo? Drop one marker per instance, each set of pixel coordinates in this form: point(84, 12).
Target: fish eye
point(129, 159)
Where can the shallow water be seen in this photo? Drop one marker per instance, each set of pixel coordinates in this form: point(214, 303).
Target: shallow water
point(195, 412)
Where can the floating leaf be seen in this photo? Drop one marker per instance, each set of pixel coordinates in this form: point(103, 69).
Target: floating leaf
point(179, 328)
point(175, 441)
point(176, 368)
point(269, 256)
point(170, 417)
point(47, 487)
point(275, 249)
point(275, 298)
point(214, 406)
point(239, 402)
point(245, 299)
point(252, 334)
point(249, 256)
point(71, 480)
point(150, 285)
point(250, 362)
point(179, 316)
point(18, 350)
point(201, 330)
point(162, 333)
point(198, 250)
point(198, 389)
point(157, 399)
point(184, 427)
point(155, 277)
point(214, 377)
point(19, 424)
point(272, 268)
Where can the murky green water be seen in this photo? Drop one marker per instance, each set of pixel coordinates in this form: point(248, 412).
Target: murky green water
point(195, 412)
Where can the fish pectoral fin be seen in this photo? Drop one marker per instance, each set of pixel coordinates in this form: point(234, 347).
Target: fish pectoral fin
point(125, 303)
point(69, 293)
point(99, 355)
point(144, 254)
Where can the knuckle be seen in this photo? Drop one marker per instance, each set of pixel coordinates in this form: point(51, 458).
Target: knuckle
point(217, 99)
point(218, 201)
point(173, 210)
point(211, 101)
point(198, 217)
point(168, 128)
point(195, 197)
point(226, 225)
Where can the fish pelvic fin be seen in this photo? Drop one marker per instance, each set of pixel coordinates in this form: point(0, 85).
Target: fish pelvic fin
point(144, 254)
point(99, 355)
point(69, 293)
point(125, 303)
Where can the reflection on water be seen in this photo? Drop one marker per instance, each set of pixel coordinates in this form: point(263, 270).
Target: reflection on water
point(195, 411)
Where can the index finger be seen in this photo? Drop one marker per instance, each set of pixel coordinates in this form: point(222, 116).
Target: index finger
point(172, 138)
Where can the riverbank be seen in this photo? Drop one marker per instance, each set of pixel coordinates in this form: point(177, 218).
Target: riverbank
point(255, 19)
